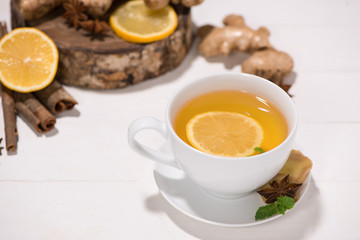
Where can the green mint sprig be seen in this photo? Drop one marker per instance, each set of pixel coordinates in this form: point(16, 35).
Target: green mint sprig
point(259, 150)
point(280, 206)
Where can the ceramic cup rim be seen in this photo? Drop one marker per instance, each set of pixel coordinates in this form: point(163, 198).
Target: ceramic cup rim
point(193, 81)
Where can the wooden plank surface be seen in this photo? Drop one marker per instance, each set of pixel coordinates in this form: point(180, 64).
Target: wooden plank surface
point(82, 180)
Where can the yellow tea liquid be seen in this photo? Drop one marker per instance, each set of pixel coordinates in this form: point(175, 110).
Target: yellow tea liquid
point(265, 113)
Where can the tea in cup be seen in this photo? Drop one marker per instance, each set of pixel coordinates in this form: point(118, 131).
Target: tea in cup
point(230, 133)
point(230, 123)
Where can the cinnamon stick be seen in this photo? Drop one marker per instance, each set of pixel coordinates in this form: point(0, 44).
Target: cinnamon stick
point(1, 148)
point(34, 112)
point(9, 118)
point(8, 108)
point(3, 29)
point(55, 98)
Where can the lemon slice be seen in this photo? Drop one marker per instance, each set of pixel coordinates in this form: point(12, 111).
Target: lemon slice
point(135, 22)
point(28, 60)
point(226, 134)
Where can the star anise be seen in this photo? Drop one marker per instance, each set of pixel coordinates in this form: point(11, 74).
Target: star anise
point(95, 27)
point(74, 12)
point(284, 188)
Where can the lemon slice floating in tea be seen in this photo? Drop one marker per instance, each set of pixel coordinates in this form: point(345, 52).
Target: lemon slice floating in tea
point(28, 60)
point(227, 134)
point(135, 22)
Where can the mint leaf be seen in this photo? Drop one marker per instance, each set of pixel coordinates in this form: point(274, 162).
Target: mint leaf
point(280, 206)
point(266, 211)
point(259, 150)
point(284, 203)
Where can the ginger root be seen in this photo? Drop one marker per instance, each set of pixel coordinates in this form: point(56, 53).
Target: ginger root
point(297, 166)
point(270, 64)
point(156, 4)
point(159, 4)
point(265, 61)
point(35, 9)
point(188, 3)
point(234, 36)
point(96, 8)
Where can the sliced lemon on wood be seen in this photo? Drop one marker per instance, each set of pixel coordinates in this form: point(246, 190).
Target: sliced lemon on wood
point(28, 60)
point(226, 134)
point(135, 22)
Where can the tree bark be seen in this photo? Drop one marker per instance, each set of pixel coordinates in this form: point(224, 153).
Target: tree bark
point(109, 62)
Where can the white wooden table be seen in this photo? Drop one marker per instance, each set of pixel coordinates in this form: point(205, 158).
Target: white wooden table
point(82, 180)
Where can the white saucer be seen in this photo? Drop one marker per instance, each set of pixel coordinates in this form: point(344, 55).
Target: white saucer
point(188, 198)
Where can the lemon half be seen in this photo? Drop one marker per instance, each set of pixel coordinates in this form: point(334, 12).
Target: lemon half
point(226, 134)
point(135, 22)
point(28, 60)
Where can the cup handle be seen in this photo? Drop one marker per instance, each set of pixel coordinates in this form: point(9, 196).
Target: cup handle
point(156, 155)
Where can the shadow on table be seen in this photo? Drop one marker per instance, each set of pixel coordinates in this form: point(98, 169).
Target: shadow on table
point(296, 224)
point(69, 113)
point(234, 60)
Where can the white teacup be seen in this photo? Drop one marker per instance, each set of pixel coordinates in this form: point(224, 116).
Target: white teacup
point(223, 177)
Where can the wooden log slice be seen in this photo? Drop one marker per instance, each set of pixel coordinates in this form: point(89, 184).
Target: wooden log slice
point(109, 62)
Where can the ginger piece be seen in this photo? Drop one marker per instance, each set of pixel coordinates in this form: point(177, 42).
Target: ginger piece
point(35, 9)
point(188, 3)
point(96, 8)
point(159, 4)
point(156, 4)
point(234, 36)
point(270, 64)
point(265, 61)
point(298, 168)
